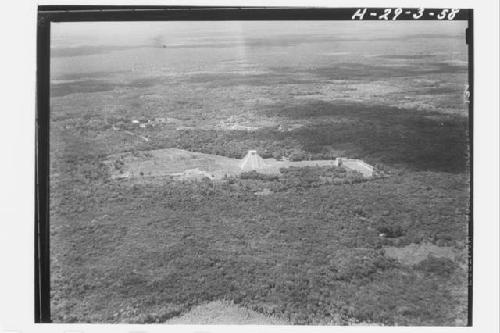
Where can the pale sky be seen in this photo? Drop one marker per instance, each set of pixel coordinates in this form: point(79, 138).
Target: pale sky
point(138, 33)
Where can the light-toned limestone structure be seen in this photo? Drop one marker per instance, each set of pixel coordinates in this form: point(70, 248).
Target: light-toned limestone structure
point(252, 161)
point(354, 164)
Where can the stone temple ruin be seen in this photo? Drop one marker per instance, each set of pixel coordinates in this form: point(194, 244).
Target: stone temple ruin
point(252, 161)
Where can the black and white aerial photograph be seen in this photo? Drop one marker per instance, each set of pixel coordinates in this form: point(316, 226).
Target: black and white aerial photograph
point(260, 172)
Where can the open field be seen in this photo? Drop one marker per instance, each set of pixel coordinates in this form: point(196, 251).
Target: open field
point(182, 164)
point(225, 313)
point(315, 245)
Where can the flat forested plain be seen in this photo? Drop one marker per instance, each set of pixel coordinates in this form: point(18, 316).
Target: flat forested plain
point(309, 252)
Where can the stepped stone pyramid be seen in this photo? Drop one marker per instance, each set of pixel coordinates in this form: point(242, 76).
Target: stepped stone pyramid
point(252, 161)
